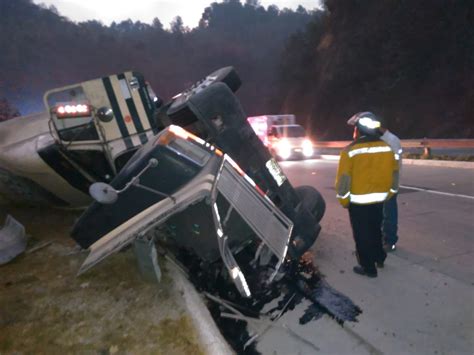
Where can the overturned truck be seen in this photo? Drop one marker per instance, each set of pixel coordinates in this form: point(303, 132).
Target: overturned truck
point(193, 165)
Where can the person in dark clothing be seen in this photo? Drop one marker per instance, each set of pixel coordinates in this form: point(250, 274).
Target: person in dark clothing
point(390, 207)
point(367, 176)
point(365, 222)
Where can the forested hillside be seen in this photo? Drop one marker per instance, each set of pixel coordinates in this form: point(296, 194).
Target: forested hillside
point(412, 62)
point(42, 50)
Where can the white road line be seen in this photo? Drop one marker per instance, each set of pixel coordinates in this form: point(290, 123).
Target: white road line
point(436, 192)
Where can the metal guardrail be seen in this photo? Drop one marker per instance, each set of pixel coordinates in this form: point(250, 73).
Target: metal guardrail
point(438, 143)
point(412, 143)
point(332, 144)
point(424, 143)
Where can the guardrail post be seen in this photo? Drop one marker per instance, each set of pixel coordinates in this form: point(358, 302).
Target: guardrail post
point(426, 149)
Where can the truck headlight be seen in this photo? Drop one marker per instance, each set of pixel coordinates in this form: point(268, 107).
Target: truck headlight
point(283, 149)
point(307, 147)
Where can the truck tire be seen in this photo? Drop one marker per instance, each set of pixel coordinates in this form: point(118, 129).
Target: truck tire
point(312, 200)
point(179, 112)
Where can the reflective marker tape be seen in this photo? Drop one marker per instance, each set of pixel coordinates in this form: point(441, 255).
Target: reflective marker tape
point(369, 122)
point(369, 150)
point(369, 198)
point(217, 213)
point(343, 197)
point(244, 283)
point(234, 272)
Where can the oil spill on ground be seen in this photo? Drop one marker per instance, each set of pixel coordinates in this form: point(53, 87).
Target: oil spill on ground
point(326, 300)
point(302, 281)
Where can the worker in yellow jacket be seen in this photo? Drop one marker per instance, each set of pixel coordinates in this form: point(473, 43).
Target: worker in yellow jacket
point(367, 176)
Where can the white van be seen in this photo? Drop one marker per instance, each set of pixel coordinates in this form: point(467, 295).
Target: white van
point(290, 141)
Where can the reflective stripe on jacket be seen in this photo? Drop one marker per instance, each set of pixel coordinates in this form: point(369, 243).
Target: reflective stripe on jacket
point(367, 173)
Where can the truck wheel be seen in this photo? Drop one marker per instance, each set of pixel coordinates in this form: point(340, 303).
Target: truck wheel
point(312, 200)
point(179, 112)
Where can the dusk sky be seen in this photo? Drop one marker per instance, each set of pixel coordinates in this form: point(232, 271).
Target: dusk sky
point(145, 10)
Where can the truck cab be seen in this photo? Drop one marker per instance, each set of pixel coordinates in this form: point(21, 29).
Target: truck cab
point(87, 134)
point(211, 208)
point(102, 122)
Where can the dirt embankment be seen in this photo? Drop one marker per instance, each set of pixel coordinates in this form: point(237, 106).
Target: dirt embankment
point(45, 308)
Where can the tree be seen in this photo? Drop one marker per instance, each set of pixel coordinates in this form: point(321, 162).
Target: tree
point(42, 50)
point(253, 3)
point(7, 111)
point(156, 24)
point(408, 62)
point(177, 25)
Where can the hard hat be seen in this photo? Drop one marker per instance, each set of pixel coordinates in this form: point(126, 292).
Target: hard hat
point(367, 123)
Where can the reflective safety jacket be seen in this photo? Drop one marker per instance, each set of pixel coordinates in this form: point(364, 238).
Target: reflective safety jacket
point(368, 172)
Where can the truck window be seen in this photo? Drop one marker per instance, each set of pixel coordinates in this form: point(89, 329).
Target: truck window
point(274, 132)
point(74, 94)
point(292, 131)
point(73, 127)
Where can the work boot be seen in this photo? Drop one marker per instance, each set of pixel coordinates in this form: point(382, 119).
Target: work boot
point(361, 271)
point(389, 247)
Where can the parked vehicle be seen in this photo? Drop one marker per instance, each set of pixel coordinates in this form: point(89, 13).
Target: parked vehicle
point(263, 124)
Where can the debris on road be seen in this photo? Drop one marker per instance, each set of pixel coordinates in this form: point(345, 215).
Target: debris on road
point(39, 247)
point(12, 240)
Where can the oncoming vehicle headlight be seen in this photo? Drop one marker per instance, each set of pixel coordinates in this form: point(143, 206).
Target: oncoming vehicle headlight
point(307, 147)
point(283, 149)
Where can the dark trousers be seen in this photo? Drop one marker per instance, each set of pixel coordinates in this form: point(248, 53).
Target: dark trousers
point(390, 220)
point(366, 222)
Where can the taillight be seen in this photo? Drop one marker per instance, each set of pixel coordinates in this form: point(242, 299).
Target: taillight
point(73, 111)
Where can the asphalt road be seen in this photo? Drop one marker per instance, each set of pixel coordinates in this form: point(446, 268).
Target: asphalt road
point(423, 300)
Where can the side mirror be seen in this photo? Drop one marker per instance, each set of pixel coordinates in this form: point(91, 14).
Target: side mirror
point(103, 193)
point(106, 194)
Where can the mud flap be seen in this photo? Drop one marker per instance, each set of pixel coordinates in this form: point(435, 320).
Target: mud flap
point(12, 240)
point(147, 259)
